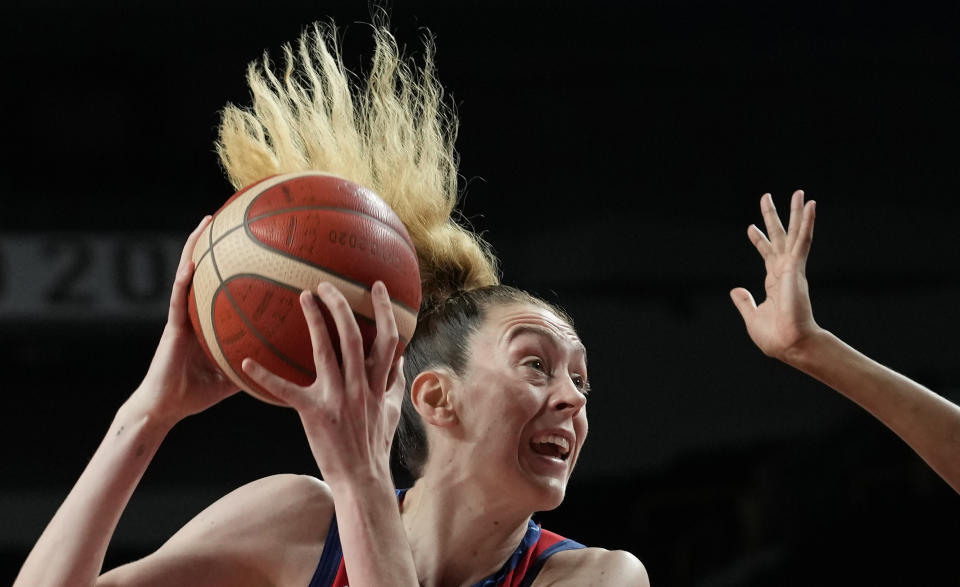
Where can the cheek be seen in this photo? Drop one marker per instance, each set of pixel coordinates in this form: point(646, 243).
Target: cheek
point(581, 426)
point(505, 418)
point(499, 400)
point(527, 402)
point(517, 406)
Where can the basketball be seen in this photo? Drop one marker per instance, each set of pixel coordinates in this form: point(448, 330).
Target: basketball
point(279, 237)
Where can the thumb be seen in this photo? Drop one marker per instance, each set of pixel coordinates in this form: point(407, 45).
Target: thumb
point(744, 302)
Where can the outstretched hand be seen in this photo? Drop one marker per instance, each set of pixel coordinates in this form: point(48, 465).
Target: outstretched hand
point(349, 412)
point(181, 380)
point(785, 318)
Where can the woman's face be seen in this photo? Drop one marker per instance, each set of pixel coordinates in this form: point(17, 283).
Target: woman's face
point(522, 405)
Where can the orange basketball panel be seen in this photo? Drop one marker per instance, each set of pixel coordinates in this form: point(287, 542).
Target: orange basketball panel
point(324, 191)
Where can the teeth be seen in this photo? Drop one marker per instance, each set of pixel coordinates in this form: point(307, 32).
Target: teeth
point(554, 439)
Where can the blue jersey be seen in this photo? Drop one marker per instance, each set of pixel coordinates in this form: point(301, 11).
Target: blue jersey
point(520, 570)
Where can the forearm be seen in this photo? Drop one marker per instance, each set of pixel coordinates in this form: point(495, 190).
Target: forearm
point(927, 422)
point(72, 547)
point(374, 543)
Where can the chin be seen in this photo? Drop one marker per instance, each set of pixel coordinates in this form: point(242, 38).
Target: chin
point(546, 483)
point(550, 492)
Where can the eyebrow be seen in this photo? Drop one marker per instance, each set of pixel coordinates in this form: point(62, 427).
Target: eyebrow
point(530, 329)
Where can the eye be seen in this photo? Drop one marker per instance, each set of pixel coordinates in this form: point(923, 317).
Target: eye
point(537, 364)
point(580, 383)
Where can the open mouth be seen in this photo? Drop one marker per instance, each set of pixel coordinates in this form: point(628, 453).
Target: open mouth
point(551, 445)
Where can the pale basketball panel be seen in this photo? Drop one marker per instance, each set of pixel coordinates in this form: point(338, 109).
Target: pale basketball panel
point(237, 254)
point(205, 285)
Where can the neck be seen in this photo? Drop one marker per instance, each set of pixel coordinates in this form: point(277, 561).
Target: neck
point(458, 532)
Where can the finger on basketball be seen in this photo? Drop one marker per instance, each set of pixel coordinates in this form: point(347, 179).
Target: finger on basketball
point(324, 357)
point(396, 379)
point(351, 341)
point(178, 296)
point(285, 391)
point(385, 344)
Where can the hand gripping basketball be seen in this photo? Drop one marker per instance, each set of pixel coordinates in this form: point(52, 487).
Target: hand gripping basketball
point(181, 380)
point(351, 409)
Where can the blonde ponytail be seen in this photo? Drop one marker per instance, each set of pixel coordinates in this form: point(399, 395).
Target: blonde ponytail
point(393, 133)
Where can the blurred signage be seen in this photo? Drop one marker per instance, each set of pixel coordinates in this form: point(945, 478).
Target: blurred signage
point(76, 276)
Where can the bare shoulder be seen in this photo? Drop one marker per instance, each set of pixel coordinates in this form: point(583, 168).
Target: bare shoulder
point(277, 505)
point(593, 567)
point(270, 531)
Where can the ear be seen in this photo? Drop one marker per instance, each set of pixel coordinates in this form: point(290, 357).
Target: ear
point(430, 394)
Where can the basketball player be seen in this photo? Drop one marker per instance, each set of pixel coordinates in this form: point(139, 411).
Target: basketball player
point(783, 327)
point(492, 386)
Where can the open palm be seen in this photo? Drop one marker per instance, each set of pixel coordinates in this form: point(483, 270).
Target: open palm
point(785, 318)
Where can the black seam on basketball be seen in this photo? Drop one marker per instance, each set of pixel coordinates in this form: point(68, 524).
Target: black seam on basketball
point(330, 208)
point(356, 315)
point(213, 305)
point(256, 333)
point(210, 245)
point(259, 243)
point(288, 256)
point(209, 250)
point(253, 330)
point(213, 323)
point(200, 260)
point(220, 238)
point(247, 218)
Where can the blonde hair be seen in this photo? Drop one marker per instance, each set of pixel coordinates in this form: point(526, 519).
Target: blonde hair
point(393, 133)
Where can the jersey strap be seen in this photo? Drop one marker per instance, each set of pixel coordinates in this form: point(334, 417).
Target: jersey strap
point(331, 561)
point(548, 545)
point(522, 568)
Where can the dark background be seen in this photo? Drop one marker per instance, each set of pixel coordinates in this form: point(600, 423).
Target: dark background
point(614, 154)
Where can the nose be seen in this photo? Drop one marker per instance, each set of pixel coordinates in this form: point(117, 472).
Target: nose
point(567, 397)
